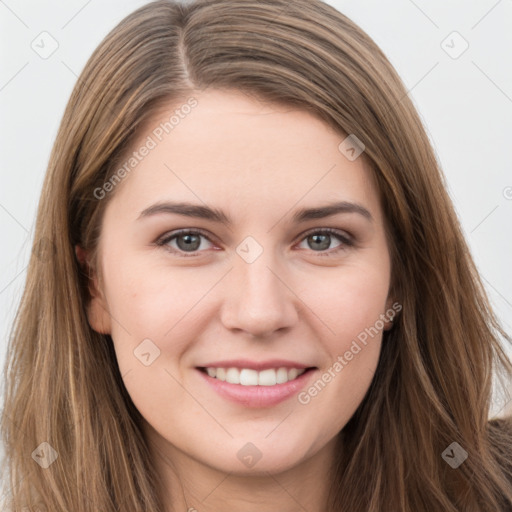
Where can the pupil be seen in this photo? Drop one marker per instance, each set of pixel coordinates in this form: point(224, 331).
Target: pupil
point(318, 238)
point(189, 242)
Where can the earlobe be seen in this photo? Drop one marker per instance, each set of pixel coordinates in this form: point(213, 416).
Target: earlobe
point(390, 314)
point(96, 308)
point(388, 325)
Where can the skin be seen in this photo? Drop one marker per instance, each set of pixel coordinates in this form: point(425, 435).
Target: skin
point(259, 163)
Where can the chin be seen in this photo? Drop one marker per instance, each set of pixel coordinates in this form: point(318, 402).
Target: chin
point(277, 463)
point(259, 457)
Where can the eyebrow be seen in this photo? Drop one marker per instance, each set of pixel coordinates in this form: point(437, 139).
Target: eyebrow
point(216, 215)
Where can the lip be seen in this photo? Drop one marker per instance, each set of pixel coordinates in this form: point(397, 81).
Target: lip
point(258, 396)
point(255, 365)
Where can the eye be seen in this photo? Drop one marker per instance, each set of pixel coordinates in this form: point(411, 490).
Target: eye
point(320, 240)
point(187, 241)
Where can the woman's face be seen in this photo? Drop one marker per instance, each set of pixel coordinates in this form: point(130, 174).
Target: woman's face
point(255, 290)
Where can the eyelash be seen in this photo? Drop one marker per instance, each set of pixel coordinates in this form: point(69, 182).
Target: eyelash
point(346, 241)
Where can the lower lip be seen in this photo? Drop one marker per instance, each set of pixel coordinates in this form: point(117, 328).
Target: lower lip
point(258, 396)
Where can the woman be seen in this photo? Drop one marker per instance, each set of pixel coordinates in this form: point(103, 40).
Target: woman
point(249, 288)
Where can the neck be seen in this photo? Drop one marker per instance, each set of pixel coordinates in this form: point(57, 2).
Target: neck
point(191, 486)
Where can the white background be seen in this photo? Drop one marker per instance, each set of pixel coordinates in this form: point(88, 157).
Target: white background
point(465, 103)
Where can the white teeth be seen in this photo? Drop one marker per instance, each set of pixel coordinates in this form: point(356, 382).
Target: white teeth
point(282, 376)
point(267, 377)
point(233, 376)
point(292, 373)
point(248, 377)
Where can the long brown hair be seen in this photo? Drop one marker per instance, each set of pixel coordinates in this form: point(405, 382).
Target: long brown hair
point(433, 384)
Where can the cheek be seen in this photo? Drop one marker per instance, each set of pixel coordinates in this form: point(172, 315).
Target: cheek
point(343, 381)
point(349, 308)
point(151, 299)
point(349, 303)
point(156, 316)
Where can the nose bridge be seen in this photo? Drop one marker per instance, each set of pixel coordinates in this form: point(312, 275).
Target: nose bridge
point(259, 302)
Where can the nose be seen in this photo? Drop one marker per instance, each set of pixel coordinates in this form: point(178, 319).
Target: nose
point(259, 300)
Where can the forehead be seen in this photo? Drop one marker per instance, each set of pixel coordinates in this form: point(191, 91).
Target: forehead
point(232, 149)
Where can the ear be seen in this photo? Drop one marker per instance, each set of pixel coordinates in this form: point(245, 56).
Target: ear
point(388, 323)
point(97, 308)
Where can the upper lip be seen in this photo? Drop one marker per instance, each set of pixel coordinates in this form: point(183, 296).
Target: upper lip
point(255, 365)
